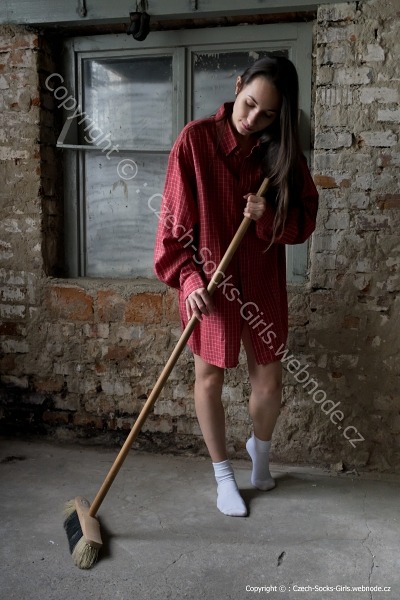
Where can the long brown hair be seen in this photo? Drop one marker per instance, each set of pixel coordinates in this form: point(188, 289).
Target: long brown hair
point(281, 149)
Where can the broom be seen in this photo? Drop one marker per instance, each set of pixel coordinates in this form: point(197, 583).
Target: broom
point(81, 526)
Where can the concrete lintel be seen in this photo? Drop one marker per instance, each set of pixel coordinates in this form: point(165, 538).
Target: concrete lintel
point(69, 12)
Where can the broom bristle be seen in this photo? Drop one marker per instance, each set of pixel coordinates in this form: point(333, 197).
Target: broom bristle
point(69, 508)
point(83, 554)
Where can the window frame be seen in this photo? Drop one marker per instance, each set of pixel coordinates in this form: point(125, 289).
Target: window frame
point(296, 38)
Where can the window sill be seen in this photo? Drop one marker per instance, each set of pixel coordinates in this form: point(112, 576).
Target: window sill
point(137, 285)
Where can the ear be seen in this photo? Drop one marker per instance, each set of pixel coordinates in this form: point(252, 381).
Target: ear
point(238, 86)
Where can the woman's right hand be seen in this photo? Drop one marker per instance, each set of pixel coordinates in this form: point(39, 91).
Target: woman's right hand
point(199, 303)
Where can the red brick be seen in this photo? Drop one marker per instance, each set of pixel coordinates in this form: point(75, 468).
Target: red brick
point(100, 368)
point(69, 303)
point(144, 308)
point(87, 420)
point(28, 41)
point(385, 160)
point(351, 322)
point(50, 384)
point(56, 417)
point(117, 353)
point(336, 374)
point(13, 329)
point(8, 363)
point(325, 181)
point(110, 306)
point(389, 201)
point(171, 312)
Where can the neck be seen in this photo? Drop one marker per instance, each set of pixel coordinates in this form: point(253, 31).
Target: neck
point(246, 142)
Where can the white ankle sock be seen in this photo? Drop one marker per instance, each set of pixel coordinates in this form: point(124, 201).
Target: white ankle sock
point(259, 453)
point(229, 500)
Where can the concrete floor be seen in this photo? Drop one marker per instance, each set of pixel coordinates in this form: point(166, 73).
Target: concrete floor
point(164, 537)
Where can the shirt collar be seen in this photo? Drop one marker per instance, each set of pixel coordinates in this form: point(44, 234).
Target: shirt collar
point(227, 139)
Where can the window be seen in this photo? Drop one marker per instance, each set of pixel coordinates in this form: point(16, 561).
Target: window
point(133, 99)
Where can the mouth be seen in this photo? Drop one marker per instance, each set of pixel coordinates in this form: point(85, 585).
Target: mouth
point(246, 127)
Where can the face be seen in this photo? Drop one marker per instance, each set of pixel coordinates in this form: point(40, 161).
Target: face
point(257, 105)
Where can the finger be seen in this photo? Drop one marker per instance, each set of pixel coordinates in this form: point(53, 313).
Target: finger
point(188, 309)
point(195, 304)
point(196, 311)
point(204, 302)
point(192, 309)
point(254, 211)
point(199, 303)
point(256, 200)
point(251, 209)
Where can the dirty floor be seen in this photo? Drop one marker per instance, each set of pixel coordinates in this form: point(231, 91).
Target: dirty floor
point(164, 538)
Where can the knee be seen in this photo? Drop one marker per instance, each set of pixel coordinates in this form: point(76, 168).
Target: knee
point(210, 379)
point(270, 390)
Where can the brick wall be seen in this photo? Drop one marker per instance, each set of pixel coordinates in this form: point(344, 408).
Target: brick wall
point(20, 236)
point(354, 305)
point(79, 357)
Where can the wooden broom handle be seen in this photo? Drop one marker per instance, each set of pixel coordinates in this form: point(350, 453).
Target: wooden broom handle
point(213, 284)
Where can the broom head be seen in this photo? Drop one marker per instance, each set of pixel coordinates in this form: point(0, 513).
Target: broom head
point(83, 533)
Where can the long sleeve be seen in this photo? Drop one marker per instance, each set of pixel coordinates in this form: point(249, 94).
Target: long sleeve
point(202, 207)
point(176, 238)
point(301, 218)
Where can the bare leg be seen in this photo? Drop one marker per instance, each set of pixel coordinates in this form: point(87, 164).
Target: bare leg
point(264, 408)
point(211, 416)
point(209, 408)
point(266, 391)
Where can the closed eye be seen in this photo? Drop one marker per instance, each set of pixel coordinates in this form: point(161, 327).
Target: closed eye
point(266, 114)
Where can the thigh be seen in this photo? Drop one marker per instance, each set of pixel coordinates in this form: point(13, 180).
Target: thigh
point(263, 376)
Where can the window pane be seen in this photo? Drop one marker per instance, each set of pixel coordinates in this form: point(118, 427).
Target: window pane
point(214, 77)
point(120, 213)
point(130, 99)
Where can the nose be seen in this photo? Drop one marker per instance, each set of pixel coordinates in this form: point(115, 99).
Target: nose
point(252, 117)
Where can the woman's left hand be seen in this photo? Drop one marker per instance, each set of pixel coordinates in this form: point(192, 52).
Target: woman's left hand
point(255, 206)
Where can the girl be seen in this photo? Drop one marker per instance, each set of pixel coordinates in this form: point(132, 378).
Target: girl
point(214, 168)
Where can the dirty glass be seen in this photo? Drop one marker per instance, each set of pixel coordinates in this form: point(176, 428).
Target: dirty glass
point(121, 213)
point(129, 102)
point(131, 99)
point(214, 77)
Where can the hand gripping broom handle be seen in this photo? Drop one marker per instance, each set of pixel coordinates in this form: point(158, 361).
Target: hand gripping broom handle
point(213, 284)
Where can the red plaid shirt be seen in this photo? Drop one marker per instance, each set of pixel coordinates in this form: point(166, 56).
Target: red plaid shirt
point(202, 208)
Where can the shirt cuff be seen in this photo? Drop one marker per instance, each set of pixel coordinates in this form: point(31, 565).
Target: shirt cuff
point(192, 283)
